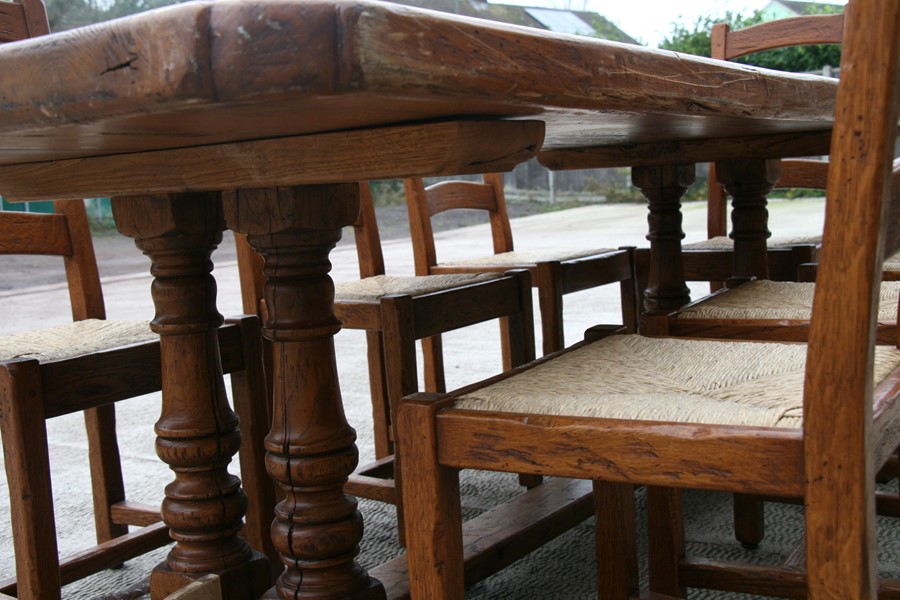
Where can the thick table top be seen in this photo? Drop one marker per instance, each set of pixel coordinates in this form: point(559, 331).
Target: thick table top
point(211, 73)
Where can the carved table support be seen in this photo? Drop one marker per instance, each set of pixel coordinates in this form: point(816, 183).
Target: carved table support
point(749, 182)
point(197, 432)
point(663, 186)
point(311, 447)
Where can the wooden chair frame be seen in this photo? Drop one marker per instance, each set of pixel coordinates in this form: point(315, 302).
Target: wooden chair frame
point(848, 427)
point(552, 278)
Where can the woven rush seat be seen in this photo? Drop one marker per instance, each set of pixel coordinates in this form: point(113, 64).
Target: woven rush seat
point(73, 339)
point(762, 299)
point(376, 287)
point(633, 377)
point(510, 259)
point(725, 243)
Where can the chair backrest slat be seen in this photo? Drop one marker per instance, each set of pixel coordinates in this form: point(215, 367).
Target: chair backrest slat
point(12, 22)
point(424, 203)
point(451, 195)
point(780, 33)
point(34, 233)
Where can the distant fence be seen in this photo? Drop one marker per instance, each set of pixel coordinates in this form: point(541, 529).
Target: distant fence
point(99, 210)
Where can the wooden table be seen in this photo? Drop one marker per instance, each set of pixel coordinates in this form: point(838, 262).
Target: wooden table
point(257, 114)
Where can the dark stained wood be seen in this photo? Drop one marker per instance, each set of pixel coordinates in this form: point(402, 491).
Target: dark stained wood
point(394, 323)
point(93, 382)
point(663, 187)
point(311, 449)
point(616, 542)
point(666, 544)
point(27, 463)
point(197, 432)
point(749, 182)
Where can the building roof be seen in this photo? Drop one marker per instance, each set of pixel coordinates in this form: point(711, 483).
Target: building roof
point(562, 21)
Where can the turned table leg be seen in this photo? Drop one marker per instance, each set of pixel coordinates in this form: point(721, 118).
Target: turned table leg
point(749, 182)
point(663, 186)
point(311, 447)
point(197, 432)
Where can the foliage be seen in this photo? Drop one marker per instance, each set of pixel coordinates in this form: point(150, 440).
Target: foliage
point(797, 59)
point(66, 14)
point(388, 192)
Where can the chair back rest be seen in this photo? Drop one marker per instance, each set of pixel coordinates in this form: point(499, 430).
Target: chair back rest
point(728, 44)
point(21, 19)
point(423, 203)
point(65, 233)
point(838, 391)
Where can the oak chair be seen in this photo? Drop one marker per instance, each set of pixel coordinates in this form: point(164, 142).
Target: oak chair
point(815, 420)
point(554, 274)
point(89, 365)
point(774, 310)
point(712, 259)
point(395, 311)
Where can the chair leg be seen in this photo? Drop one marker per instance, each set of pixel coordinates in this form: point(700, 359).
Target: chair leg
point(25, 452)
point(642, 275)
point(517, 330)
point(252, 403)
point(107, 484)
point(401, 375)
point(617, 562)
point(381, 417)
point(665, 540)
point(433, 364)
point(631, 296)
point(549, 283)
point(434, 535)
point(749, 524)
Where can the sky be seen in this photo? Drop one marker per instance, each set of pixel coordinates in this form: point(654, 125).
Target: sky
point(650, 21)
